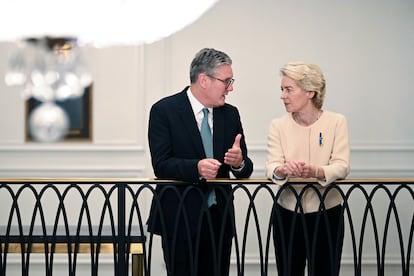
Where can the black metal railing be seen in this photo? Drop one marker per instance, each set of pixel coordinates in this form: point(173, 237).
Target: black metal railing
point(88, 216)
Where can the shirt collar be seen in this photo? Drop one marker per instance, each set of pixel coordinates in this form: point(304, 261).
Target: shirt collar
point(195, 104)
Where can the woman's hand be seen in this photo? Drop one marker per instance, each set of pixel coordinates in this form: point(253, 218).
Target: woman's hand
point(291, 168)
point(297, 169)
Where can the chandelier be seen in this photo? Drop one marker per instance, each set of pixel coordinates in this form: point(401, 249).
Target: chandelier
point(47, 61)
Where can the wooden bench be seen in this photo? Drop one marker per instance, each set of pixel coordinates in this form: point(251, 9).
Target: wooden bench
point(74, 244)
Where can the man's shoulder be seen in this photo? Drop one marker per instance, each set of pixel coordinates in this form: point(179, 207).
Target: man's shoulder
point(169, 100)
point(227, 108)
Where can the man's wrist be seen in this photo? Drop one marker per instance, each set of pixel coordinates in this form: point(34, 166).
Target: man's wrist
point(242, 164)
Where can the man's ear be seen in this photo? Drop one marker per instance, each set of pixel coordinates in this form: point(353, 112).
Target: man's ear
point(202, 80)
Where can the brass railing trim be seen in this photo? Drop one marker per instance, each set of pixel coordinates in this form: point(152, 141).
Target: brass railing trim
point(229, 181)
point(104, 248)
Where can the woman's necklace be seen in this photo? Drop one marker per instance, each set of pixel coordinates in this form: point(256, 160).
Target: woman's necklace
point(305, 122)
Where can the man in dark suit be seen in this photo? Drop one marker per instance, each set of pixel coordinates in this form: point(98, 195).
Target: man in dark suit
point(195, 218)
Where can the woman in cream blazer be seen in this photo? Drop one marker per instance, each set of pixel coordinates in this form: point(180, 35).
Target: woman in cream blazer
point(307, 142)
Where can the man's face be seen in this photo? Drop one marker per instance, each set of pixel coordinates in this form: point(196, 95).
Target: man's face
point(219, 85)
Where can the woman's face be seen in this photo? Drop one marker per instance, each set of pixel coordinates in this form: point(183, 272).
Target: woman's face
point(293, 96)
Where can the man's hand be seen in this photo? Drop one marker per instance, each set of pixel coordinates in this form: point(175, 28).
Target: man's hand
point(234, 156)
point(208, 168)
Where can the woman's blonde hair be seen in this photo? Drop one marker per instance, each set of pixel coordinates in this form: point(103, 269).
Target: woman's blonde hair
point(309, 77)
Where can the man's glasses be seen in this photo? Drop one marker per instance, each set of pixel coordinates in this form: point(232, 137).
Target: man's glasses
point(227, 82)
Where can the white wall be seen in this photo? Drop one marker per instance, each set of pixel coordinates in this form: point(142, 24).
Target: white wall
point(365, 49)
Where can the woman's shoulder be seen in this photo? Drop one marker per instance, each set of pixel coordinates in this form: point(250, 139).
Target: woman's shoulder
point(333, 118)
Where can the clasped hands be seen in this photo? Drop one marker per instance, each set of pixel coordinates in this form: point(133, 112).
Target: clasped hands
point(208, 167)
point(296, 168)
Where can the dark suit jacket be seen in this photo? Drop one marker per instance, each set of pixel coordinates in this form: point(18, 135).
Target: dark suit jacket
point(176, 147)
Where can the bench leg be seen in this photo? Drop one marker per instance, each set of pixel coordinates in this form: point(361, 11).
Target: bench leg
point(137, 265)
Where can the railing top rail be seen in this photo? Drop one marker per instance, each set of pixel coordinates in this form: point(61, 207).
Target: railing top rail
point(228, 181)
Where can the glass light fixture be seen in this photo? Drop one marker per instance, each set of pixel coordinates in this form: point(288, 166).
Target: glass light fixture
point(98, 22)
point(47, 61)
point(48, 70)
